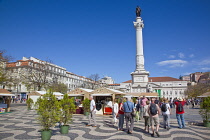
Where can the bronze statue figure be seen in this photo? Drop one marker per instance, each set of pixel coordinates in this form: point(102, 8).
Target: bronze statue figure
point(138, 11)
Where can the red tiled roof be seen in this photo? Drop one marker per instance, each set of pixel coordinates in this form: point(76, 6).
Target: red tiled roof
point(158, 79)
point(24, 63)
point(12, 64)
point(129, 81)
point(4, 91)
point(162, 79)
point(114, 84)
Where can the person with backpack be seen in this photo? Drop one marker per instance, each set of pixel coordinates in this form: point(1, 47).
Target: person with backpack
point(166, 112)
point(154, 112)
point(180, 112)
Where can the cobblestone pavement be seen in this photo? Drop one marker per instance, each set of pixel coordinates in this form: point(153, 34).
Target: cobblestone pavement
point(22, 125)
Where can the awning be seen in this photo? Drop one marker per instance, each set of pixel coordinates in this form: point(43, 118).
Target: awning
point(100, 94)
point(75, 94)
point(1, 94)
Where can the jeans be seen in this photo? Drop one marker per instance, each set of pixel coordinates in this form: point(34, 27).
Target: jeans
point(141, 112)
point(180, 120)
point(128, 118)
point(166, 120)
point(121, 121)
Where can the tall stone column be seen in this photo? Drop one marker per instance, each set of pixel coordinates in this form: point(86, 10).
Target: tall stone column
point(139, 45)
point(140, 75)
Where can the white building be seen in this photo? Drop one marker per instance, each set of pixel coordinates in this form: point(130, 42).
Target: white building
point(49, 72)
point(106, 80)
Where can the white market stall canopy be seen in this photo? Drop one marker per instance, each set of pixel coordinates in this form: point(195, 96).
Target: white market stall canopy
point(103, 94)
point(106, 92)
point(41, 93)
point(4, 92)
point(75, 95)
point(80, 92)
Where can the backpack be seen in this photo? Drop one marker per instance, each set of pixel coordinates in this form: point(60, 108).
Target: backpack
point(180, 107)
point(153, 109)
point(163, 108)
point(156, 101)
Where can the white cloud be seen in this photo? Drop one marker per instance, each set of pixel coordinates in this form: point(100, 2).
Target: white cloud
point(172, 63)
point(171, 56)
point(181, 55)
point(191, 55)
point(205, 69)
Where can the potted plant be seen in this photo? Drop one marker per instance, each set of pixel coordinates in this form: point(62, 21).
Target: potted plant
point(205, 111)
point(48, 109)
point(29, 103)
point(67, 109)
point(86, 106)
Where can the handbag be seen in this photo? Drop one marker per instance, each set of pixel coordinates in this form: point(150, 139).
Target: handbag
point(133, 114)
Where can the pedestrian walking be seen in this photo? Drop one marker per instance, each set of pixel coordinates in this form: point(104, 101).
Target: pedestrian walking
point(143, 103)
point(166, 112)
point(154, 112)
point(92, 114)
point(137, 106)
point(146, 117)
point(121, 116)
point(115, 111)
point(180, 112)
point(128, 108)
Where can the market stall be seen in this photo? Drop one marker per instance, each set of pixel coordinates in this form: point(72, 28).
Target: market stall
point(79, 95)
point(5, 100)
point(103, 98)
point(36, 94)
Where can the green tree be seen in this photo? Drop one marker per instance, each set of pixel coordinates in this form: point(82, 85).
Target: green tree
point(59, 87)
point(196, 90)
point(4, 78)
point(67, 109)
point(48, 109)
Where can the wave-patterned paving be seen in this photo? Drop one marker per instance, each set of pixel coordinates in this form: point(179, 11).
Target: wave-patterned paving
point(21, 124)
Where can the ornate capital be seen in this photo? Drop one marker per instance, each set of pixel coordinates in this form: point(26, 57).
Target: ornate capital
point(138, 24)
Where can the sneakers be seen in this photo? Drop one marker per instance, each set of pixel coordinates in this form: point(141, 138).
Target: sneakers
point(152, 135)
point(157, 134)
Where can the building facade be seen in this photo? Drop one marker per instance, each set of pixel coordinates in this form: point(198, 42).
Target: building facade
point(29, 74)
point(167, 87)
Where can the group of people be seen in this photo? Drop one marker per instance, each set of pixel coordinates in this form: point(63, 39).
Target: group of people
point(143, 108)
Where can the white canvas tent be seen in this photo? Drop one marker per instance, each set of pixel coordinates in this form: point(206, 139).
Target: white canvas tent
point(4, 92)
point(36, 94)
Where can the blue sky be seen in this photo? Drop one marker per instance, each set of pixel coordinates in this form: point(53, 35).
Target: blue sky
point(98, 36)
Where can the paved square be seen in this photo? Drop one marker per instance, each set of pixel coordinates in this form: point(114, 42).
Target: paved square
point(21, 124)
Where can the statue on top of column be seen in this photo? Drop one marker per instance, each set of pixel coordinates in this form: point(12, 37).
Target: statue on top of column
point(138, 11)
